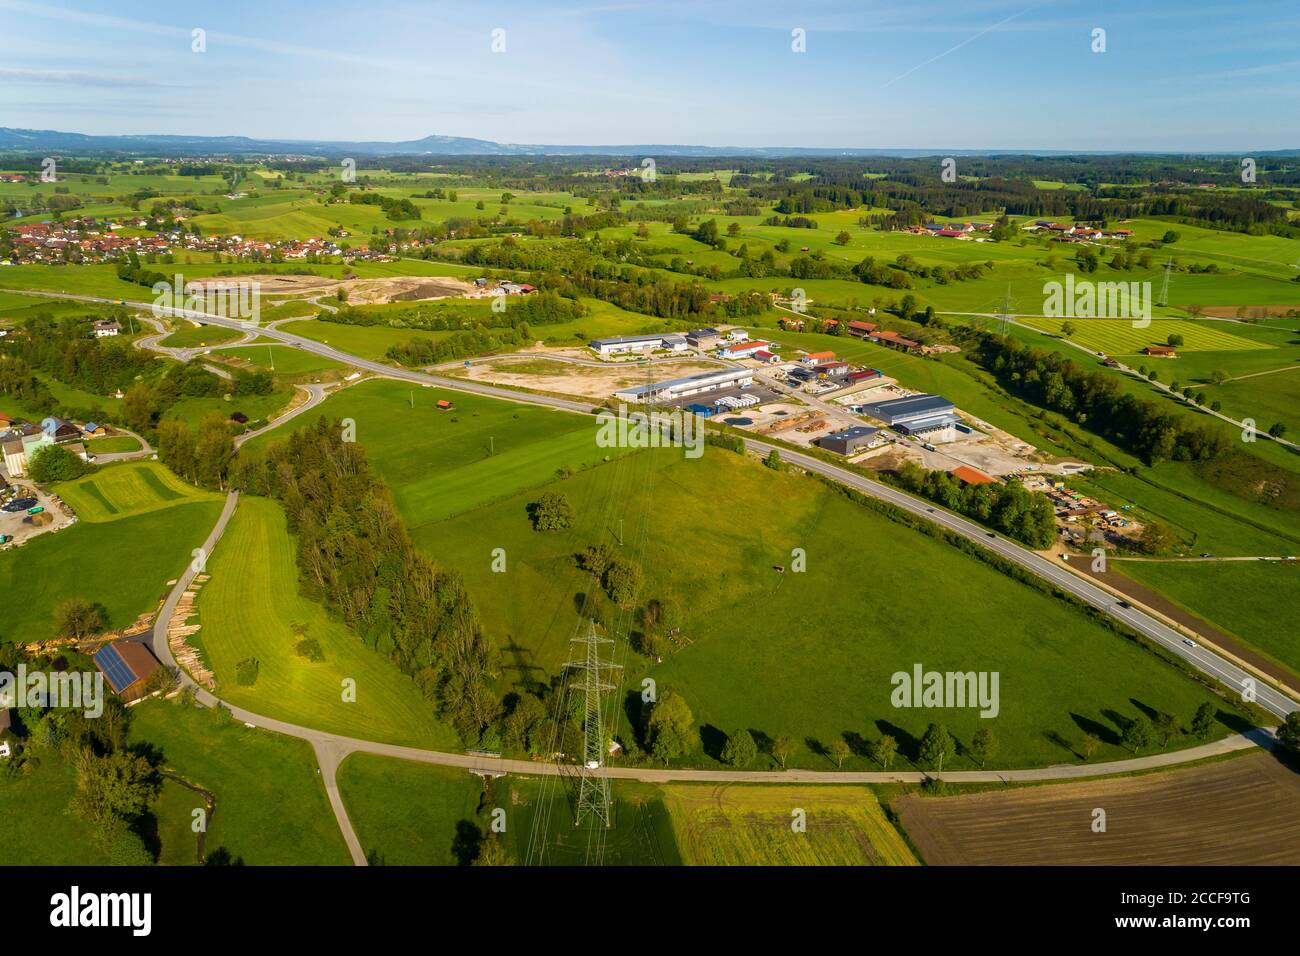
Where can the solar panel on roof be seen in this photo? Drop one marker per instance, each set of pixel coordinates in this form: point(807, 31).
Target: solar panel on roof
point(114, 668)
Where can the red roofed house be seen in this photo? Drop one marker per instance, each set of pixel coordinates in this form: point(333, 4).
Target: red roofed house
point(862, 329)
point(743, 349)
point(894, 340)
point(1161, 351)
point(818, 358)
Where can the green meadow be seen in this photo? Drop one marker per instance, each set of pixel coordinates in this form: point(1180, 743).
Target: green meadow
point(121, 490)
point(251, 608)
point(123, 563)
point(1245, 598)
point(270, 809)
point(439, 463)
point(1122, 337)
point(198, 336)
point(810, 654)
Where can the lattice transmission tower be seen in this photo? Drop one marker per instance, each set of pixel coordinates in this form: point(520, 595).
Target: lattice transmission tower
point(593, 782)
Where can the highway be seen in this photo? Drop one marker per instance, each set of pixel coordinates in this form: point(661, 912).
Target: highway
point(1203, 659)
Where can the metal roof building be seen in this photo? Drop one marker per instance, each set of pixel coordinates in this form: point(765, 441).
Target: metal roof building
point(676, 388)
point(849, 440)
point(127, 665)
point(898, 411)
point(638, 343)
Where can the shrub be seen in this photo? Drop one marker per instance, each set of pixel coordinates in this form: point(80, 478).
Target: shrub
point(246, 672)
point(551, 512)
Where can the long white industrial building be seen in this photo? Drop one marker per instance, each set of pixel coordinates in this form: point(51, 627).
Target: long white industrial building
point(676, 388)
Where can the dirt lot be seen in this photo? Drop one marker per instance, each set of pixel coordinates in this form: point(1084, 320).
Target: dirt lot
point(1240, 811)
point(570, 378)
point(360, 291)
point(23, 527)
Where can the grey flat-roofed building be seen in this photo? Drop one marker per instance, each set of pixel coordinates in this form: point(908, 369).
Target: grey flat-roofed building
point(898, 410)
point(638, 343)
point(849, 440)
point(676, 388)
point(703, 338)
point(932, 423)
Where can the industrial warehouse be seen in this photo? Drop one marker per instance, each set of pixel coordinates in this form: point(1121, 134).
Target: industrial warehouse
point(678, 388)
point(913, 415)
point(671, 342)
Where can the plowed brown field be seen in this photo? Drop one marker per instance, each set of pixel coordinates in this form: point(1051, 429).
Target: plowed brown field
point(1243, 811)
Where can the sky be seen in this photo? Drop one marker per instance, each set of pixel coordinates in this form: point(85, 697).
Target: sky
point(1176, 75)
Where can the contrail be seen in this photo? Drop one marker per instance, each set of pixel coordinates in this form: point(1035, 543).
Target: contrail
point(970, 39)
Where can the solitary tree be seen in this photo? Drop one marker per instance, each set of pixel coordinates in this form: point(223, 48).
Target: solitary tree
point(1289, 732)
point(552, 512)
point(670, 731)
point(1168, 726)
point(1137, 734)
point(983, 745)
point(77, 617)
point(843, 238)
point(1203, 720)
point(782, 748)
point(840, 752)
point(936, 745)
point(883, 750)
point(740, 749)
point(1090, 744)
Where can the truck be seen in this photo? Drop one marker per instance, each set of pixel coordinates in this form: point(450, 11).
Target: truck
point(35, 511)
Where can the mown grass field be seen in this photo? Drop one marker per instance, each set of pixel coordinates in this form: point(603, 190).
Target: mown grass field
point(751, 825)
point(251, 608)
point(440, 463)
point(1249, 599)
point(271, 808)
point(281, 359)
point(113, 444)
point(406, 812)
point(190, 337)
point(123, 564)
point(121, 490)
point(809, 655)
point(1120, 337)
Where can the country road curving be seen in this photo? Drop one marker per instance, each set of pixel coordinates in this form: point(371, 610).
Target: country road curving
point(331, 749)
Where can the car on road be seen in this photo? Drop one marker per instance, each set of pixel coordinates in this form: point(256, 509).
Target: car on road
point(1124, 604)
point(1189, 643)
point(931, 510)
point(990, 534)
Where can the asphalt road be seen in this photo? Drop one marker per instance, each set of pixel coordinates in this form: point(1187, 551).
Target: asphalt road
point(1208, 662)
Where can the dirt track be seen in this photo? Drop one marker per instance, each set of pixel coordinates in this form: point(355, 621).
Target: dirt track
point(1240, 811)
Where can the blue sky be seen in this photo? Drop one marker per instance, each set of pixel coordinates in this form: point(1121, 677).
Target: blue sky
point(983, 74)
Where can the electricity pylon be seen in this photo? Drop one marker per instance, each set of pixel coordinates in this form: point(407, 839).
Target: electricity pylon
point(1004, 317)
point(593, 783)
point(1164, 286)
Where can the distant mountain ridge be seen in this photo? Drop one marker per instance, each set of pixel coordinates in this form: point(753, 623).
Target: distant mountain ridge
point(45, 140)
